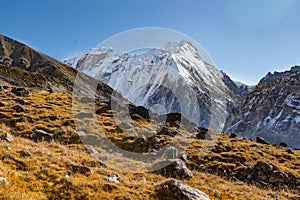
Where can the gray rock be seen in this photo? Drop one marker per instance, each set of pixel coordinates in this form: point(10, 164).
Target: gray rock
point(264, 166)
point(174, 168)
point(76, 169)
point(19, 108)
point(3, 181)
point(20, 92)
point(176, 190)
point(41, 135)
point(278, 177)
point(261, 140)
point(6, 136)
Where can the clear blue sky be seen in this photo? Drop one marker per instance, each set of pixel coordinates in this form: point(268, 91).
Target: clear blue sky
point(245, 38)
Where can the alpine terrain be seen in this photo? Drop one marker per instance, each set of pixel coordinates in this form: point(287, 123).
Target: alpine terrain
point(60, 137)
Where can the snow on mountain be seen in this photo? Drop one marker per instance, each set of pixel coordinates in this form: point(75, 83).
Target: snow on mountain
point(272, 110)
point(173, 78)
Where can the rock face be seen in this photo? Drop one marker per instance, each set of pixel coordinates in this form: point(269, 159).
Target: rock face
point(176, 190)
point(184, 80)
point(272, 110)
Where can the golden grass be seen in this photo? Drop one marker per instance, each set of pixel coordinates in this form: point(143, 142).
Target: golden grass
point(46, 173)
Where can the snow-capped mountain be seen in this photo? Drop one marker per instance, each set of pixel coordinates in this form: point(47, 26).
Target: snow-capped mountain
point(272, 110)
point(170, 79)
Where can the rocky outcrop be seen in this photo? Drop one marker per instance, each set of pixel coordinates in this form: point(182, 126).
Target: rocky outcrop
point(173, 169)
point(176, 190)
point(272, 110)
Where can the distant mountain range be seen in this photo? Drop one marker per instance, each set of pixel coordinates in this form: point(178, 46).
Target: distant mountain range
point(270, 109)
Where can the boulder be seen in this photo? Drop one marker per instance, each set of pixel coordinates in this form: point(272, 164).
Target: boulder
point(76, 169)
point(41, 135)
point(278, 177)
point(176, 190)
point(264, 166)
point(261, 140)
point(20, 91)
point(173, 168)
point(19, 108)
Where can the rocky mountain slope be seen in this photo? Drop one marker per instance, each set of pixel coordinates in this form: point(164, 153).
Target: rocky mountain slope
point(45, 149)
point(166, 80)
point(272, 110)
point(24, 66)
point(269, 110)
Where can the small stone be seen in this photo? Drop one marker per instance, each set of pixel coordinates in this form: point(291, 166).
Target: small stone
point(6, 136)
point(290, 151)
point(3, 181)
point(19, 108)
point(20, 101)
point(41, 135)
point(24, 153)
point(113, 178)
point(20, 92)
point(278, 177)
point(81, 170)
point(264, 166)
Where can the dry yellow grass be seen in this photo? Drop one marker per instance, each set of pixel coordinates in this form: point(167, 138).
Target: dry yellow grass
point(46, 173)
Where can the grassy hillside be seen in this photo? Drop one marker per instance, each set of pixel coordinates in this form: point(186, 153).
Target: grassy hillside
point(63, 168)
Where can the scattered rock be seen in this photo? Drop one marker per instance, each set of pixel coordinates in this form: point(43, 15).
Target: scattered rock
point(174, 168)
point(20, 91)
point(176, 190)
point(113, 178)
point(264, 166)
point(3, 181)
point(41, 135)
point(6, 136)
point(232, 135)
point(109, 187)
point(201, 133)
point(19, 108)
point(24, 154)
point(283, 144)
point(20, 101)
point(278, 177)
point(140, 111)
point(53, 117)
point(290, 151)
point(2, 90)
point(261, 140)
point(80, 170)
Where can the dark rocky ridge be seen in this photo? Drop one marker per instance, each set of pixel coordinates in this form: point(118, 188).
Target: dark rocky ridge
point(272, 110)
